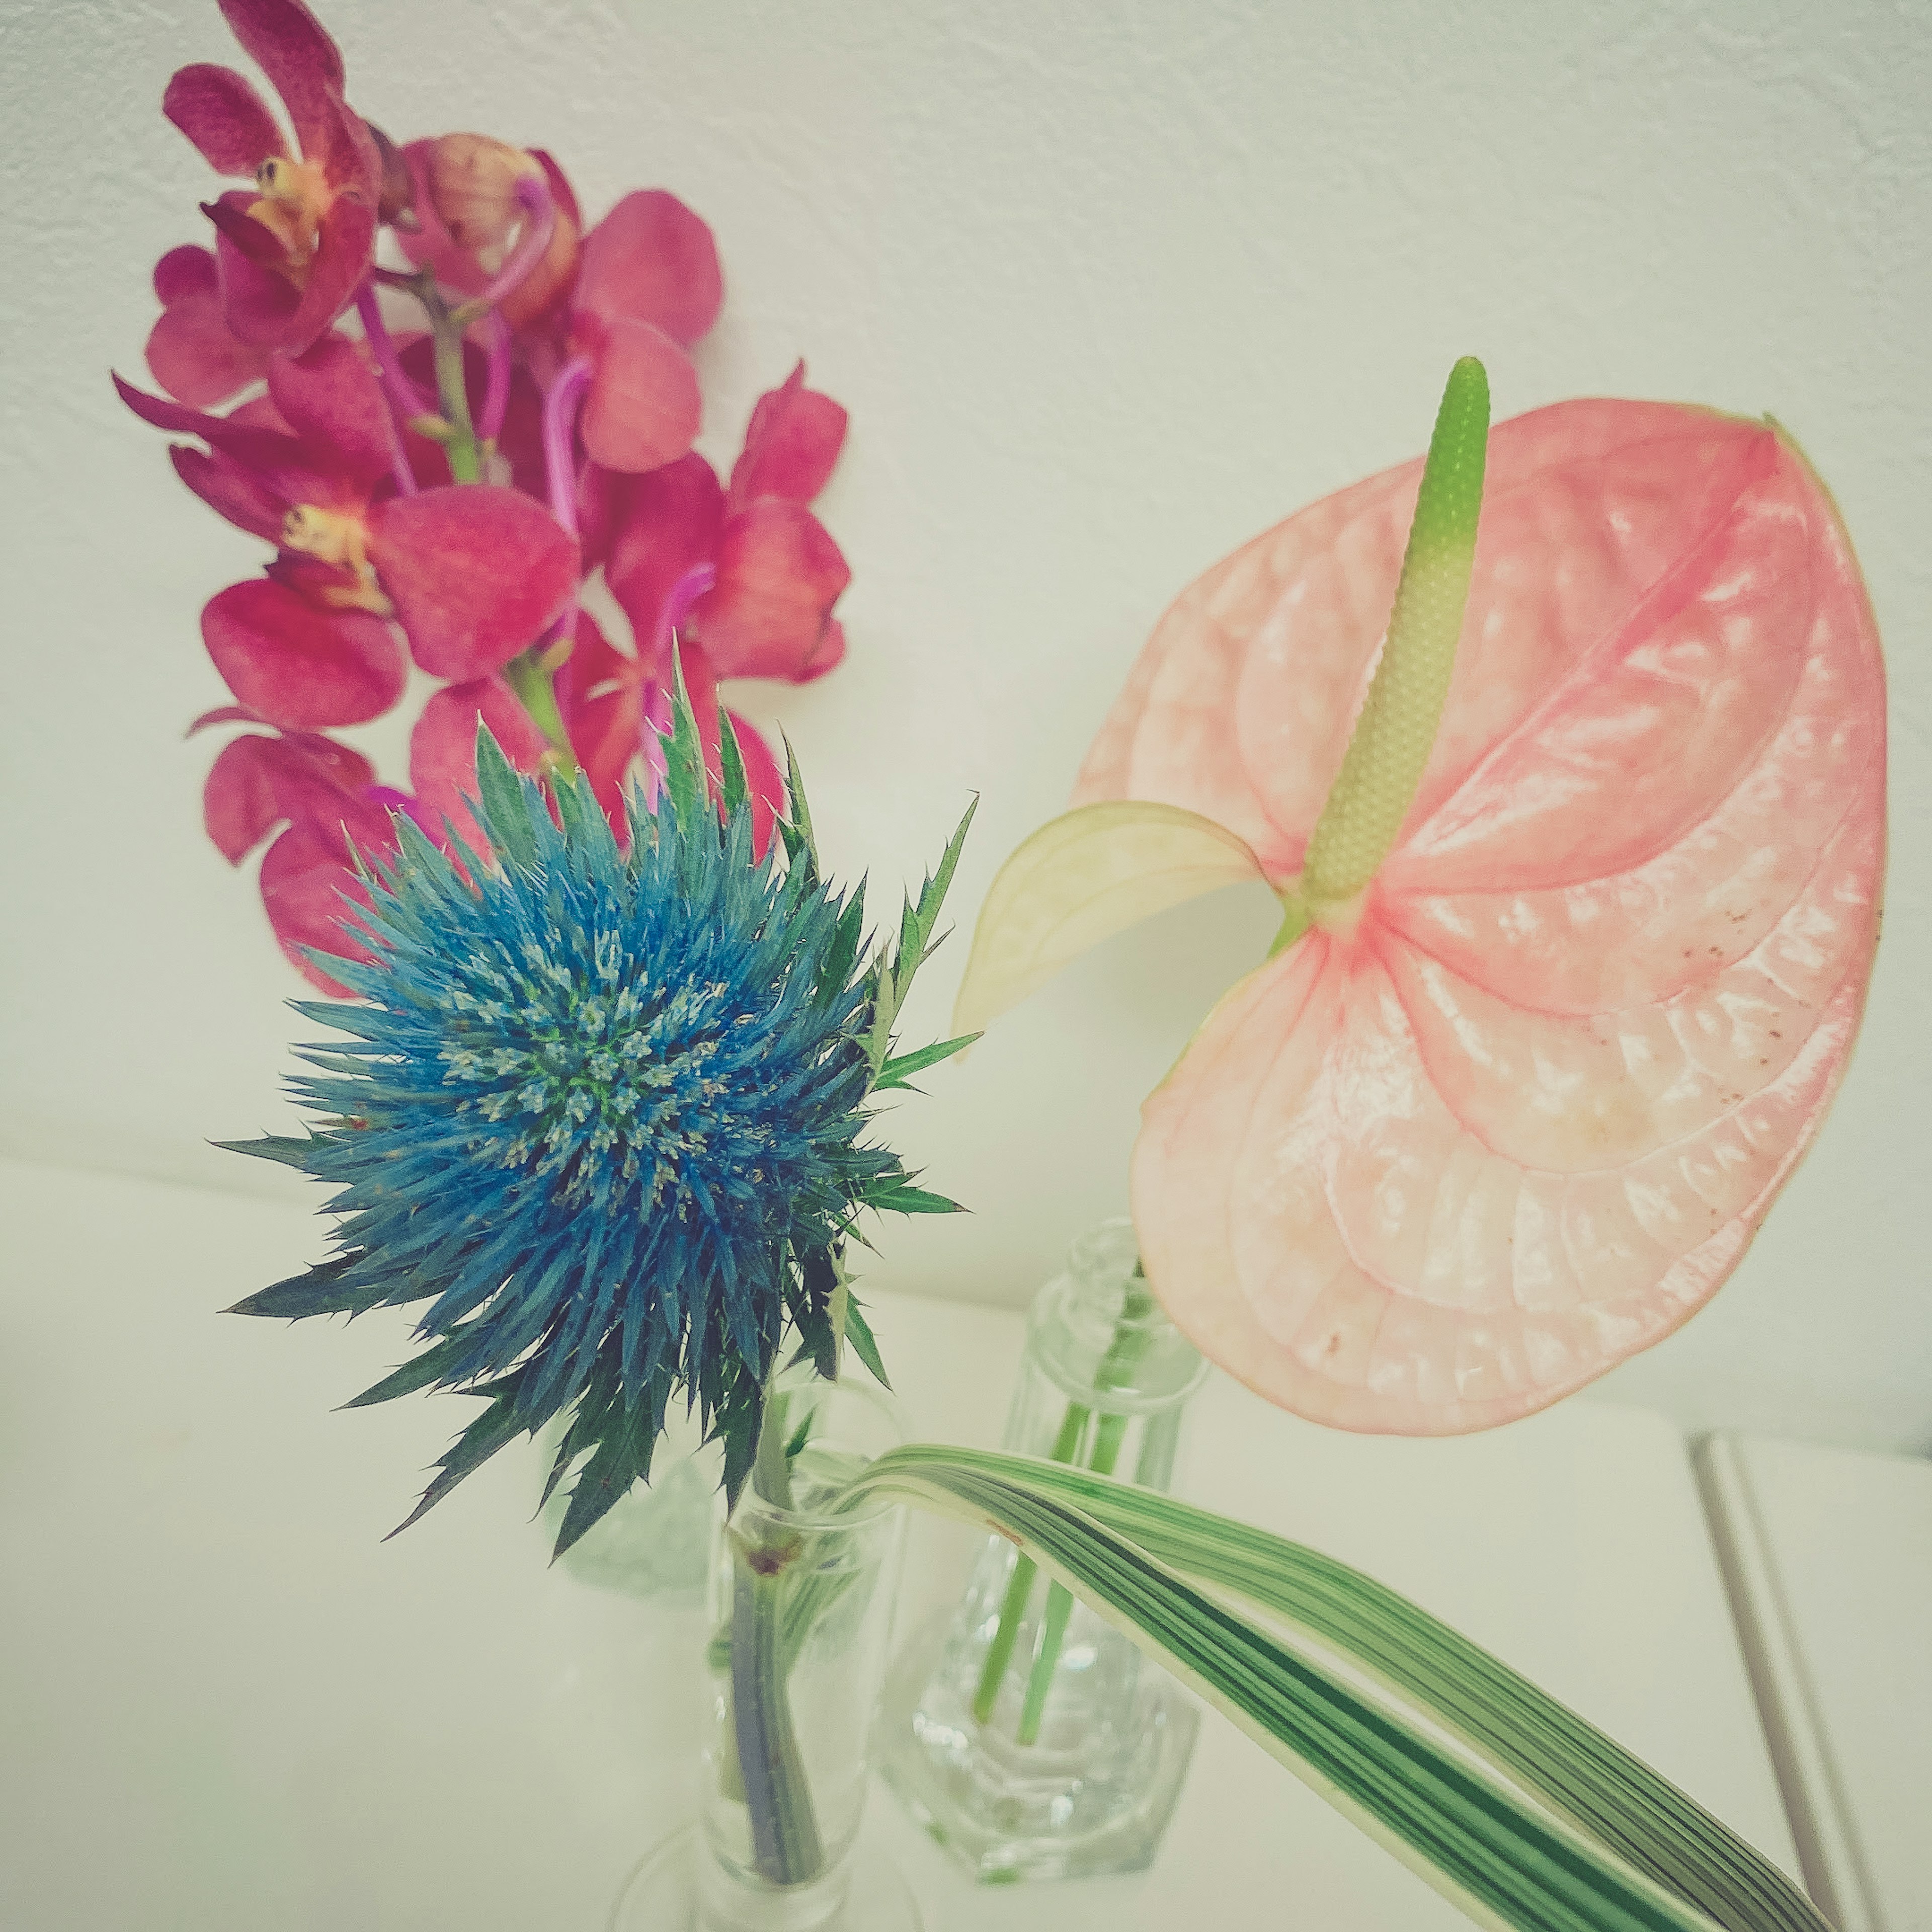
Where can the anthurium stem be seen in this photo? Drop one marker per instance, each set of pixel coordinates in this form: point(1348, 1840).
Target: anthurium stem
point(1115, 1371)
point(1396, 731)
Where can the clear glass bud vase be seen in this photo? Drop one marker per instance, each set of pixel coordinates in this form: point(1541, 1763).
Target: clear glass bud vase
point(802, 1601)
point(1031, 1737)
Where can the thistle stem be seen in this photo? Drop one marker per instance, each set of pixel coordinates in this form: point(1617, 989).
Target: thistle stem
point(785, 1842)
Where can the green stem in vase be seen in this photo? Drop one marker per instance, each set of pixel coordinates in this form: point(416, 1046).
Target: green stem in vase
point(766, 1638)
point(1019, 1585)
point(1116, 1369)
point(785, 1844)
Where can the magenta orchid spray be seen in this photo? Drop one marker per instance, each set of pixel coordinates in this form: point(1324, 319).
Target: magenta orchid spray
point(513, 412)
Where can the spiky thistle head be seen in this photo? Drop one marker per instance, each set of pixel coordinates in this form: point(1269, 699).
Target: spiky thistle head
point(605, 1112)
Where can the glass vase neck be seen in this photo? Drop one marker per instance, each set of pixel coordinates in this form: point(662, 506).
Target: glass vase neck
point(1097, 1330)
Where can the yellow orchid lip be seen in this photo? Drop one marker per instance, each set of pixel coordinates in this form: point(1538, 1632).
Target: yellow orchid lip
point(335, 537)
point(295, 195)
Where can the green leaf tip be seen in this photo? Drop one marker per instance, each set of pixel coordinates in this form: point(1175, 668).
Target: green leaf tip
point(1396, 731)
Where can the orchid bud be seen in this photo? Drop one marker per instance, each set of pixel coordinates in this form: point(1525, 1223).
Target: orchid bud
point(472, 181)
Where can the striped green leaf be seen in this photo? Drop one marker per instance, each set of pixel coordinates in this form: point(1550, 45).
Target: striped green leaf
point(1507, 1802)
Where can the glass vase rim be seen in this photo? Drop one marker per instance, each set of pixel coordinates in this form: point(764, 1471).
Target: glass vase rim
point(881, 1402)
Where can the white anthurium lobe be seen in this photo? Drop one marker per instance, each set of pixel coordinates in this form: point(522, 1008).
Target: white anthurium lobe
point(1091, 873)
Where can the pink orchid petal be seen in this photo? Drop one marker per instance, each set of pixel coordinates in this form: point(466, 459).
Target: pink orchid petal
point(345, 244)
point(310, 893)
point(298, 665)
point(187, 271)
point(330, 396)
point(779, 574)
point(644, 408)
point(1430, 1172)
point(195, 356)
point(792, 441)
point(231, 489)
point(224, 714)
point(224, 117)
point(561, 191)
point(594, 668)
point(606, 733)
point(651, 260)
point(476, 572)
point(303, 65)
point(258, 299)
point(238, 803)
point(280, 463)
point(259, 413)
point(341, 142)
point(255, 782)
point(602, 497)
point(442, 753)
point(829, 656)
point(670, 522)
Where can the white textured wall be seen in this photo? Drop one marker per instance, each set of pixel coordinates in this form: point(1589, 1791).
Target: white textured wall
point(1107, 287)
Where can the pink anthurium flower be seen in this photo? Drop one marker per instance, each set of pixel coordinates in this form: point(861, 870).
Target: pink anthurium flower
point(291, 252)
point(1576, 935)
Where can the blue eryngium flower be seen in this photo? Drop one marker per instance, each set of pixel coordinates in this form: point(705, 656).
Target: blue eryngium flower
point(605, 1113)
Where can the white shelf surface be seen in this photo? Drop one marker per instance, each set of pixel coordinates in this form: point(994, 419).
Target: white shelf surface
point(227, 1704)
point(1829, 1553)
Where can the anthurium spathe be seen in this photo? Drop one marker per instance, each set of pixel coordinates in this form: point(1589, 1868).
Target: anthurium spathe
point(1566, 980)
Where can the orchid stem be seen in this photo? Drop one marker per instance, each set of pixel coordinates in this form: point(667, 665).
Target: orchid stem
point(452, 389)
point(534, 686)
